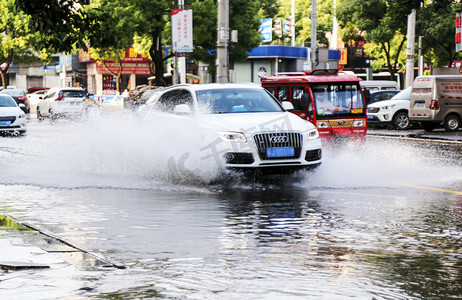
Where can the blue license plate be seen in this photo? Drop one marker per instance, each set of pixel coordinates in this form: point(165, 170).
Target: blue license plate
point(370, 117)
point(419, 104)
point(5, 123)
point(280, 152)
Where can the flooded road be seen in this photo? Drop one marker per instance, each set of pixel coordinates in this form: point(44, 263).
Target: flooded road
point(381, 220)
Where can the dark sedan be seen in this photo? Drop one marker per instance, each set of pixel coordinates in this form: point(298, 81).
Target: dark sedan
point(20, 97)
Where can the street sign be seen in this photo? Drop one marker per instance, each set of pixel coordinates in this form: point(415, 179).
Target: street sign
point(458, 31)
point(182, 30)
point(266, 30)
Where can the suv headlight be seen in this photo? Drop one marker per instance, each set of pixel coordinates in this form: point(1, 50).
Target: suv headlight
point(388, 107)
point(312, 134)
point(230, 136)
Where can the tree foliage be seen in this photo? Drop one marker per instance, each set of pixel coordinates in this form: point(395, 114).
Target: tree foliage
point(113, 19)
point(438, 31)
point(383, 23)
point(244, 16)
point(16, 38)
point(61, 24)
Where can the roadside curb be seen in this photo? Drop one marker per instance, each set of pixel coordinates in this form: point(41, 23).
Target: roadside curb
point(413, 136)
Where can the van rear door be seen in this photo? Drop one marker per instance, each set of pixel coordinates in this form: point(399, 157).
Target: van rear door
point(423, 93)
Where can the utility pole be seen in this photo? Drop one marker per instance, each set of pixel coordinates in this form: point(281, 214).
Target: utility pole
point(410, 49)
point(292, 26)
point(222, 41)
point(313, 34)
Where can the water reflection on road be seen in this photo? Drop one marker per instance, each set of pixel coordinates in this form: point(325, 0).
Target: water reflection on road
point(382, 222)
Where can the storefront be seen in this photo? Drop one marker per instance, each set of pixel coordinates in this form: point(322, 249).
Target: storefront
point(100, 78)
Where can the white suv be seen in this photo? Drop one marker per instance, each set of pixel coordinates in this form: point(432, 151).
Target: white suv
point(392, 113)
point(238, 126)
point(61, 102)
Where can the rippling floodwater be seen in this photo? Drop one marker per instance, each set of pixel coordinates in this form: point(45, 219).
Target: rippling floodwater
point(375, 221)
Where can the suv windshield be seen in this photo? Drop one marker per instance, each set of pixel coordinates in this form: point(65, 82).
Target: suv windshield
point(235, 100)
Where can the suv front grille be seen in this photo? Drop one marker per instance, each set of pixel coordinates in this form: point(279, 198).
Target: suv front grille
point(264, 141)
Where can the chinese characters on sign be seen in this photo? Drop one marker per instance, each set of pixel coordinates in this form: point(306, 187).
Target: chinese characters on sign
point(182, 36)
point(458, 32)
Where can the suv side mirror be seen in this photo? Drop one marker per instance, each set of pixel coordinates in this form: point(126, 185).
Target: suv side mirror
point(287, 105)
point(182, 109)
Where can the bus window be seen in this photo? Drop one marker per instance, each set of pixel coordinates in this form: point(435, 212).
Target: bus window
point(297, 92)
point(283, 93)
point(271, 90)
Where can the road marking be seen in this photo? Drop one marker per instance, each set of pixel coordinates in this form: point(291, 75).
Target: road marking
point(430, 188)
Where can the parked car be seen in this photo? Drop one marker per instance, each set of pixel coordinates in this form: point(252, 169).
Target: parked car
point(379, 85)
point(392, 113)
point(250, 129)
point(376, 96)
point(34, 97)
point(436, 101)
point(62, 102)
point(12, 118)
point(36, 88)
point(19, 96)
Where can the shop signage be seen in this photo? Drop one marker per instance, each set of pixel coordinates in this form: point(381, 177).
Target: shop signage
point(127, 68)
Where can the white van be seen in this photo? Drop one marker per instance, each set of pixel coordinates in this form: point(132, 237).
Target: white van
point(436, 101)
point(379, 85)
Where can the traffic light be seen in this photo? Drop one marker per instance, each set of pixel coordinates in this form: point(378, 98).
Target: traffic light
point(278, 27)
point(290, 24)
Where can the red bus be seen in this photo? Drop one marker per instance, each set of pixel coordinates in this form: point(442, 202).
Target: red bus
point(333, 101)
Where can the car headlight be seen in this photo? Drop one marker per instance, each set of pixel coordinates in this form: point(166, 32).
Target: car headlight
point(388, 107)
point(323, 124)
point(358, 123)
point(21, 116)
point(312, 134)
point(230, 136)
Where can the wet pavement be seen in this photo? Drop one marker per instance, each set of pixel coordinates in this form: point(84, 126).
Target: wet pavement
point(339, 237)
point(37, 265)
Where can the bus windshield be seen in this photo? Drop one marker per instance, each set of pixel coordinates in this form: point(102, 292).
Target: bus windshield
point(338, 100)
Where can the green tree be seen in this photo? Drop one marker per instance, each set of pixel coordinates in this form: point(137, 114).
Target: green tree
point(16, 39)
point(61, 25)
point(438, 30)
point(113, 19)
point(382, 22)
point(324, 20)
point(244, 17)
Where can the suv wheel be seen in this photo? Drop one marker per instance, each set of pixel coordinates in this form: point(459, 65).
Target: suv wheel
point(401, 121)
point(452, 123)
